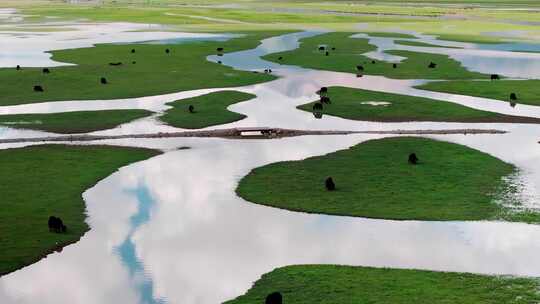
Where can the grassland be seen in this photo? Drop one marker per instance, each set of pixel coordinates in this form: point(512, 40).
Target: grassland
point(331, 284)
point(39, 181)
point(210, 110)
point(72, 122)
point(417, 43)
point(527, 91)
point(351, 104)
point(451, 182)
point(184, 68)
point(346, 57)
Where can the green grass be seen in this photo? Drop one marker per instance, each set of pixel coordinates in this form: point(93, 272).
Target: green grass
point(470, 38)
point(419, 43)
point(210, 110)
point(347, 103)
point(39, 181)
point(389, 35)
point(155, 72)
point(347, 56)
point(72, 122)
point(374, 179)
point(527, 91)
point(329, 284)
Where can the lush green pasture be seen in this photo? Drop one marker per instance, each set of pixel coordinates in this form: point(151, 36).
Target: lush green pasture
point(527, 91)
point(347, 103)
point(389, 35)
point(417, 43)
point(451, 182)
point(39, 181)
point(155, 72)
point(210, 110)
point(347, 56)
point(72, 122)
point(331, 284)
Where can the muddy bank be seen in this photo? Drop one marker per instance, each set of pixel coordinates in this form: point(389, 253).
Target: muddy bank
point(238, 133)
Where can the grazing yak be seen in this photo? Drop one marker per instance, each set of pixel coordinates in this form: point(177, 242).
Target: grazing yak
point(373, 62)
point(333, 49)
point(317, 106)
point(330, 185)
point(46, 71)
point(132, 51)
point(115, 63)
point(56, 225)
point(191, 109)
point(513, 96)
point(133, 62)
point(280, 58)
point(432, 65)
point(18, 67)
point(325, 99)
point(274, 298)
point(103, 80)
point(38, 88)
point(322, 48)
point(322, 91)
point(327, 53)
point(495, 77)
point(360, 68)
point(167, 51)
point(219, 49)
point(394, 66)
point(413, 159)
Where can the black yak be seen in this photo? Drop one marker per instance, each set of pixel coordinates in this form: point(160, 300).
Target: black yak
point(359, 75)
point(219, 49)
point(18, 67)
point(167, 51)
point(219, 61)
point(432, 65)
point(325, 99)
point(56, 225)
point(322, 48)
point(46, 71)
point(513, 96)
point(322, 91)
point(274, 298)
point(132, 51)
point(413, 160)
point(333, 49)
point(38, 88)
point(394, 65)
point(280, 58)
point(115, 63)
point(326, 54)
point(317, 106)
point(329, 183)
point(191, 109)
point(495, 77)
point(360, 68)
point(103, 80)
point(133, 62)
point(372, 61)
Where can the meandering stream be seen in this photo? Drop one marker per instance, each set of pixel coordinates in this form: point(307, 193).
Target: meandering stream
point(172, 230)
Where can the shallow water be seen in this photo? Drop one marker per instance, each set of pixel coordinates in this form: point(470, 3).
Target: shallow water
point(161, 235)
point(508, 59)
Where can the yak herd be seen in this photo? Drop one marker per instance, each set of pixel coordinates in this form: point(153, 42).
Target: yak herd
point(102, 80)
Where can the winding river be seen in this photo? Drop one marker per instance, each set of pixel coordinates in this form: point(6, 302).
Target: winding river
point(171, 229)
